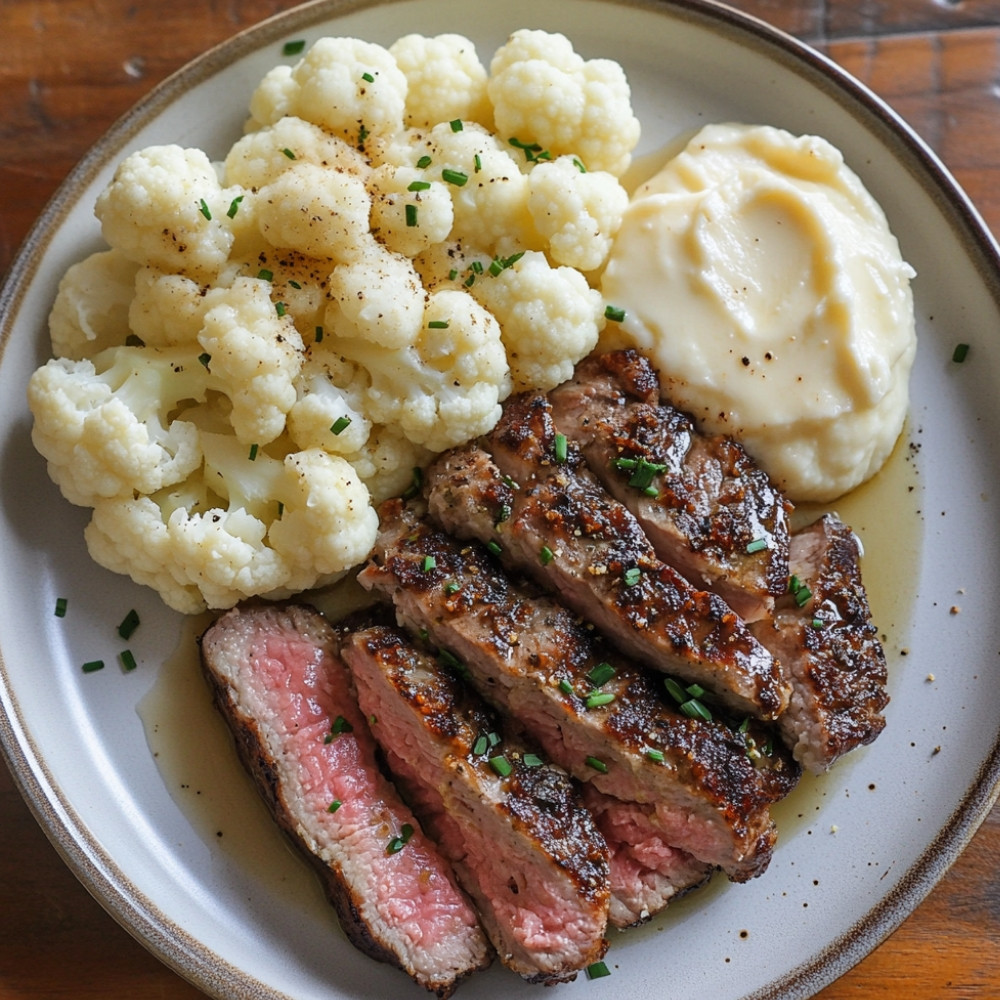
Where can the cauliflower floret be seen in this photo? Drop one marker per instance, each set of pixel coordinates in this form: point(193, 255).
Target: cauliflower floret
point(388, 462)
point(544, 93)
point(329, 409)
point(488, 190)
point(446, 81)
point(378, 298)
point(166, 207)
point(319, 212)
point(255, 355)
point(105, 425)
point(550, 318)
point(260, 157)
point(350, 87)
point(90, 311)
point(577, 211)
point(167, 310)
point(409, 213)
point(447, 387)
point(266, 527)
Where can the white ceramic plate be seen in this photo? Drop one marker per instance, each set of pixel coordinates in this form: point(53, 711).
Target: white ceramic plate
point(132, 775)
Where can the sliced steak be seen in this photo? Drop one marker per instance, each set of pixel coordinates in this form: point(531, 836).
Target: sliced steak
point(552, 520)
point(823, 634)
point(521, 841)
point(288, 701)
point(708, 509)
point(694, 778)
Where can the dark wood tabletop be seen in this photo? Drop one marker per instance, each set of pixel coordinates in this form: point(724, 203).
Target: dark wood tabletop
point(69, 68)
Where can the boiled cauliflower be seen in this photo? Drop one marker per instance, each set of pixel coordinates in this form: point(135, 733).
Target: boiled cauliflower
point(409, 213)
point(242, 526)
point(550, 318)
point(447, 387)
point(552, 101)
point(577, 211)
point(445, 80)
point(351, 88)
point(91, 310)
point(166, 207)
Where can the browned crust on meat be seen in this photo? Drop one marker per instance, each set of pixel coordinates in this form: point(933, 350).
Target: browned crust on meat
point(707, 504)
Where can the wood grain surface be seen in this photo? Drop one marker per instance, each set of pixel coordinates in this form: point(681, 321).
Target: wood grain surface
point(69, 68)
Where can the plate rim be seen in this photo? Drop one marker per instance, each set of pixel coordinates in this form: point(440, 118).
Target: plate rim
point(66, 831)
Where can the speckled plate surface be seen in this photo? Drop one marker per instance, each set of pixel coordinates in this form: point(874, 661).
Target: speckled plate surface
point(131, 774)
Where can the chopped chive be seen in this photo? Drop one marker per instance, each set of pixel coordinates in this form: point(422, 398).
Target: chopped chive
point(341, 725)
point(253, 453)
point(429, 563)
point(614, 314)
point(451, 587)
point(129, 624)
point(367, 77)
point(294, 284)
point(398, 843)
point(532, 760)
point(455, 177)
point(560, 448)
point(695, 709)
point(127, 659)
point(598, 970)
point(476, 266)
point(92, 665)
point(333, 806)
point(493, 546)
point(418, 185)
point(281, 508)
point(674, 689)
point(494, 739)
point(453, 274)
point(318, 336)
point(448, 659)
point(565, 686)
point(479, 748)
point(578, 163)
point(204, 209)
point(469, 281)
point(601, 674)
point(643, 471)
point(293, 48)
point(546, 555)
point(632, 576)
point(695, 690)
point(757, 545)
point(651, 491)
point(501, 765)
point(340, 425)
point(802, 596)
point(597, 764)
point(61, 603)
point(280, 308)
point(411, 215)
point(362, 135)
point(265, 275)
point(818, 623)
point(234, 206)
point(424, 162)
point(205, 358)
point(456, 125)
point(597, 699)
point(477, 162)
point(960, 353)
point(288, 153)
point(655, 755)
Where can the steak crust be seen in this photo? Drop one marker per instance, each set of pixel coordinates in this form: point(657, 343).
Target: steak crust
point(287, 699)
point(555, 522)
point(829, 647)
point(707, 508)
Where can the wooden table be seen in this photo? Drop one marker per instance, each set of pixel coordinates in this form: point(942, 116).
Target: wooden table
point(69, 67)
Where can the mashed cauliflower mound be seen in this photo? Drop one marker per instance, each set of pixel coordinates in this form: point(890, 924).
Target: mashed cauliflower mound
point(270, 345)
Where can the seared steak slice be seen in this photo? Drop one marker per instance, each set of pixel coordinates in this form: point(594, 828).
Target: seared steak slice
point(288, 700)
point(823, 634)
point(708, 509)
point(526, 653)
point(555, 522)
point(523, 845)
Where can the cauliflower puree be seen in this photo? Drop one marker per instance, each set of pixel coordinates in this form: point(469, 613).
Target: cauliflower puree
point(761, 277)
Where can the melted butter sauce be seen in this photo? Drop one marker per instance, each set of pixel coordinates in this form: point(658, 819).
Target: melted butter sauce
point(195, 755)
